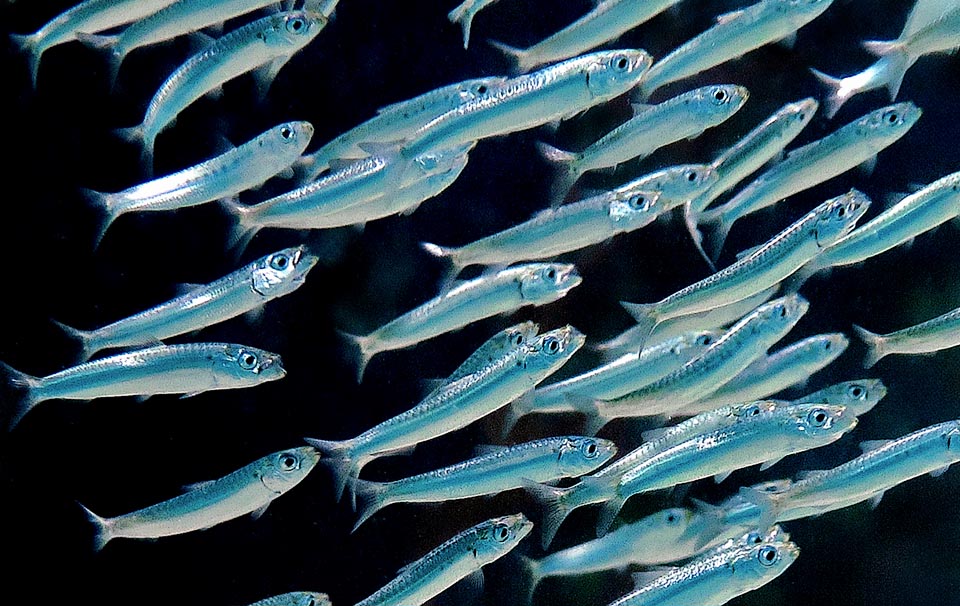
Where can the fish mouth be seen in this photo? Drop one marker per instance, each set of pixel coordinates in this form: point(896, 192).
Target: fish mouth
point(276, 364)
point(568, 278)
point(304, 261)
point(791, 549)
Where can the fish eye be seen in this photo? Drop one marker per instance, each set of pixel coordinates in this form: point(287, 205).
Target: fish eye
point(551, 273)
point(754, 538)
point(817, 417)
point(638, 201)
point(770, 488)
point(620, 62)
point(501, 533)
point(826, 346)
point(288, 462)
point(279, 262)
point(518, 340)
point(692, 176)
point(551, 345)
point(704, 340)
point(720, 95)
point(856, 391)
point(248, 361)
point(295, 25)
point(782, 311)
point(481, 89)
point(892, 117)
point(842, 211)
point(752, 411)
point(768, 555)
point(591, 450)
point(311, 602)
point(672, 518)
point(286, 132)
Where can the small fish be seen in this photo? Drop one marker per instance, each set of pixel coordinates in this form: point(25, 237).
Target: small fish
point(467, 302)
point(607, 21)
point(763, 266)
point(735, 34)
point(296, 598)
point(495, 347)
point(856, 143)
point(883, 465)
point(459, 557)
point(456, 404)
point(395, 122)
point(464, 14)
point(188, 369)
point(859, 396)
point(269, 42)
point(499, 470)
point(942, 332)
point(250, 489)
point(714, 580)
point(240, 292)
point(86, 17)
point(685, 116)
point(787, 367)
point(224, 176)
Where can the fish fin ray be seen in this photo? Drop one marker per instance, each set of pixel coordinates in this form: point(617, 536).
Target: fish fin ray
point(874, 343)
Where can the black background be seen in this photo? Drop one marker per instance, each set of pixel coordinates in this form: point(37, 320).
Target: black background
point(116, 456)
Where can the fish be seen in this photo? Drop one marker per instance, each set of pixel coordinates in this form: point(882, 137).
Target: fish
point(886, 72)
point(459, 557)
point(913, 215)
point(187, 369)
point(249, 490)
point(942, 332)
point(493, 348)
point(454, 405)
point(856, 143)
point(607, 21)
point(497, 470)
point(785, 368)
point(762, 433)
point(224, 176)
point(464, 14)
point(465, 303)
point(735, 33)
point(296, 598)
point(270, 42)
point(685, 116)
point(86, 17)
point(758, 147)
point(859, 396)
point(243, 291)
point(559, 91)
point(761, 267)
point(883, 465)
point(395, 122)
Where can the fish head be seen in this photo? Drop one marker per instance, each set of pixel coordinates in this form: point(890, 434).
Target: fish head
point(774, 486)
point(803, 10)
point(679, 184)
point(473, 89)
point(579, 455)
point(289, 138)
point(282, 272)
point(443, 161)
point(838, 216)
point(495, 537)
point(720, 100)
point(283, 470)
point(821, 423)
point(748, 410)
point(248, 365)
point(547, 282)
point(951, 438)
point(292, 28)
point(761, 563)
point(795, 116)
point(309, 598)
point(859, 396)
point(827, 346)
point(634, 209)
point(779, 315)
point(887, 124)
point(549, 351)
point(667, 526)
point(695, 342)
point(609, 74)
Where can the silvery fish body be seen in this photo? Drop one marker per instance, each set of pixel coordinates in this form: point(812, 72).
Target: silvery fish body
point(273, 39)
point(458, 558)
point(464, 14)
point(729, 355)
point(775, 372)
point(242, 291)
point(494, 348)
point(296, 598)
point(939, 36)
point(812, 164)
point(716, 579)
point(859, 396)
point(250, 489)
point(467, 302)
point(735, 34)
point(883, 465)
point(501, 469)
point(886, 72)
point(224, 176)
point(558, 91)
point(86, 17)
point(396, 122)
point(942, 332)
point(763, 266)
point(456, 404)
point(607, 21)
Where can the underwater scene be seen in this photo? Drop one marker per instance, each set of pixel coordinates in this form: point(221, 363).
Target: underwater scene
point(490, 249)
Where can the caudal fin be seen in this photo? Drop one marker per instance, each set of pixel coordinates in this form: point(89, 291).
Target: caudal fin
point(764, 502)
point(30, 46)
point(690, 218)
point(448, 255)
point(108, 45)
point(371, 496)
point(645, 315)
point(532, 572)
point(138, 134)
point(608, 513)
point(363, 351)
point(520, 58)
point(566, 171)
point(875, 343)
point(106, 207)
point(27, 387)
point(716, 228)
point(337, 456)
point(83, 337)
point(101, 528)
point(243, 225)
point(893, 63)
point(837, 94)
point(464, 16)
point(555, 508)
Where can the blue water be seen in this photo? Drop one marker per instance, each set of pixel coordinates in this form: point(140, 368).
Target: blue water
point(116, 456)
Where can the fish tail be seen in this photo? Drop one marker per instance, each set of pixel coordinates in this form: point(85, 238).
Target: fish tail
point(566, 171)
point(719, 227)
point(515, 410)
point(310, 166)
point(84, 337)
point(533, 574)
point(372, 497)
point(555, 508)
point(448, 254)
point(608, 513)
point(363, 346)
point(518, 56)
point(106, 206)
point(690, 218)
point(243, 227)
point(109, 45)
point(875, 344)
point(341, 461)
point(138, 134)
point(101, 526)
point(763, 501)
point(30, 46)
point(464, 17)
point(836, 96)
point(710, 524)
point(590, 409)
point(894, 59)
point(646, 315)
point(882, 48)
point(28, 385)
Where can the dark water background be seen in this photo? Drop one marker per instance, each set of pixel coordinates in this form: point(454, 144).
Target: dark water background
point(116, 456)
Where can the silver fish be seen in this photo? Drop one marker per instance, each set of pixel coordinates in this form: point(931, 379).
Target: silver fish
point(607, 21)
point(296, 598)
point(735, 34)
point(272, 40)
point(467, 302)
point(499, 470)
point(856, 143)
point(240, 292)
point(942, 332)
point(886, 72)
point(458, 558)
point(250, 489)
point(165, 369)
point(224, 176)
point(456, 404)
point(859, 396)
